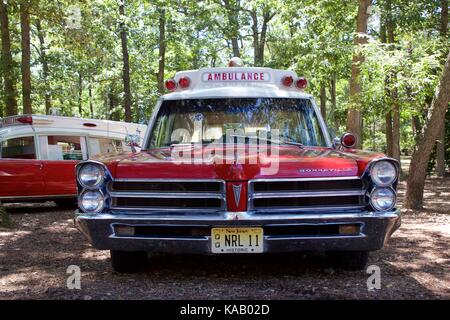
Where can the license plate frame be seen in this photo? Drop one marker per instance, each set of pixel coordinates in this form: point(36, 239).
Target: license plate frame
point(237, 240)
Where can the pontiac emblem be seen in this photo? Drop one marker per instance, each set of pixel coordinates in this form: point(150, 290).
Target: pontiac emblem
point(237, 193)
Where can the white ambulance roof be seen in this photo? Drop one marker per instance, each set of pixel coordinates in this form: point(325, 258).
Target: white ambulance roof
point(67, 125)
point(237, 82)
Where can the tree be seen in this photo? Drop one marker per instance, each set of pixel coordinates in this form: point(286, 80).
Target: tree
point(26, 56)
point(431, 130)
point(354, 114)
point(440, 145)
point(162, 49)
point(126, 63)
point(45, 68)
point(7, 63)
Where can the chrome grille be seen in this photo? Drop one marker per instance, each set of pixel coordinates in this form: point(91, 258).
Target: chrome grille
point(161, 194)
point(307, 194)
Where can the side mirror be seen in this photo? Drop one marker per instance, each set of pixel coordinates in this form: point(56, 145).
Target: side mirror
point(132, 140)
point(348, 140)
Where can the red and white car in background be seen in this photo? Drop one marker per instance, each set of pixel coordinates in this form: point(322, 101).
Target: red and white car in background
point(238, 160)
point(38, 153)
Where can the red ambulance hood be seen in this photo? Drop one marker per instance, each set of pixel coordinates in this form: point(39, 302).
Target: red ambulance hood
point(294, 162)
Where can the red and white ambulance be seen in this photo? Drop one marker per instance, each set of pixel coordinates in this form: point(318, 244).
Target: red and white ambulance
point(238, 160)
point(38, 153)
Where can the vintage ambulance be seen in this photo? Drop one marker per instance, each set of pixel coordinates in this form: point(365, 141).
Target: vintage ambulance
point(38, 153)
point(238, 160)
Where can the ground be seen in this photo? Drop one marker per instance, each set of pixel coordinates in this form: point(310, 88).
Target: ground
point(35, 255)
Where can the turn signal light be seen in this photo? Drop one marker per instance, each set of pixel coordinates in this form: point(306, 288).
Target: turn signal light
point(349, 229)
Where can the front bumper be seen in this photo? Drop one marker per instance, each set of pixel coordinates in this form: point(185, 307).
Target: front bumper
point(376, 228)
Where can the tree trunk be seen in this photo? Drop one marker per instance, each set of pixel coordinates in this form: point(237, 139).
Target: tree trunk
point(393, 91)
point(26, 57)
point(333, 102)
point(233, 24)
point(126, 63)
point(354, 114)
point(80, 94)
point(421, 156)
point(389, 148)
point(91, 106)
point(162, 49)
point(7, 64)
point(323, 101)
point(45, 69)
point(440, 143)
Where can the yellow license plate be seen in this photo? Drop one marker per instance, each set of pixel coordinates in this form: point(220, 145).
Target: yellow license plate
point(237, 240)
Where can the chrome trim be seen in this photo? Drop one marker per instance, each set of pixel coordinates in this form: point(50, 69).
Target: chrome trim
point(305, 179)
point(184, 195)
point(305, 194)
point(149, 210)
point(227, 216)
point(221, 195)
point(307, 208)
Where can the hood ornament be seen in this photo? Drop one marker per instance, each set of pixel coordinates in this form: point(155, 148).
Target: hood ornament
point(237, 193)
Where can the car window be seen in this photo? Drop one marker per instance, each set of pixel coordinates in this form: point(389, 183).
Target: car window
point(63, 148)
point(104, 145)
point(18, 148)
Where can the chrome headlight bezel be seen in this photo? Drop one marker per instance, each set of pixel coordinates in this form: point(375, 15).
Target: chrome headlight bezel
point(99, 181)
point(99, 207)
point(376, 178)
point(373, 203)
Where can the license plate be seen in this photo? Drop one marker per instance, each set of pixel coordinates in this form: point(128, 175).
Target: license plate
point(237, 240)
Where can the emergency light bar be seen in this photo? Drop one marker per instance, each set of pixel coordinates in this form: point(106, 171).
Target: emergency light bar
point(234, 75)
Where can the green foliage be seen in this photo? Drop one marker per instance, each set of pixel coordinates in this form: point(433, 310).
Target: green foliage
point(312, 37)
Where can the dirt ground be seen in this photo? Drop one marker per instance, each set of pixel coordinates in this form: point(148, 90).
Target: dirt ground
point(35, 255)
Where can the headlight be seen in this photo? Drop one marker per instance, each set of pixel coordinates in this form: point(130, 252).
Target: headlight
point(383, 173)
point(91, 175)
point(383, 199)
point(91, 201)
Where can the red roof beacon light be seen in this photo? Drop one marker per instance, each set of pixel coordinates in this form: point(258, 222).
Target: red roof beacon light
point(171, 84)
point(235, 62)
point(301, 83)
point(184, 82)
point(25, 120)
point(348, 140)
point(287, 81)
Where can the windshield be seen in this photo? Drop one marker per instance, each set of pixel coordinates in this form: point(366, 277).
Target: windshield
point(208, 120)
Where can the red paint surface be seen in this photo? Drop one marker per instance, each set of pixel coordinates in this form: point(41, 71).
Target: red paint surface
point(21, 177)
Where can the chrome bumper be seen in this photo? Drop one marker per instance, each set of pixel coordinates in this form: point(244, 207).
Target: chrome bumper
point(376, 229)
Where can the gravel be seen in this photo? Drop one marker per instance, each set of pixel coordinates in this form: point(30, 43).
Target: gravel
point(35, 255)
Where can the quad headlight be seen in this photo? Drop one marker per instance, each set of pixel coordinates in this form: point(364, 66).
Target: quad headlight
point(91, 201)
point(383, 173)
point(91, 175)
point(383, 199)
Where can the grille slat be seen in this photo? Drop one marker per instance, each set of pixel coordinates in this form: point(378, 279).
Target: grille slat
point(307, 194)
point(148, 195)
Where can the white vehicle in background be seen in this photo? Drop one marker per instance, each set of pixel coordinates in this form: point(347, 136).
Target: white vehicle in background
point(38, 153)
